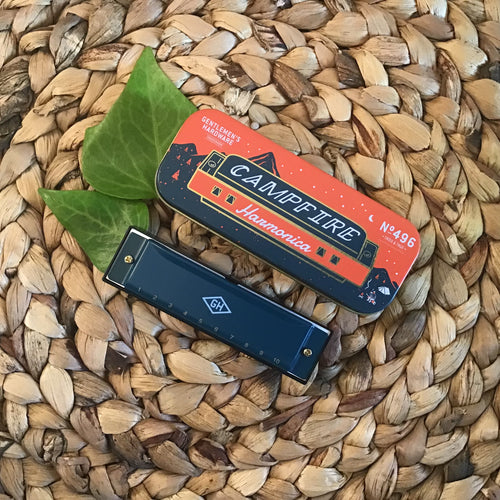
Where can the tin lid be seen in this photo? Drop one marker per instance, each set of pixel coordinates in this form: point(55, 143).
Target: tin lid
point(287, 212)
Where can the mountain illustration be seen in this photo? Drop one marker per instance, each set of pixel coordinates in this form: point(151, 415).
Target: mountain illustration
point(266, 161)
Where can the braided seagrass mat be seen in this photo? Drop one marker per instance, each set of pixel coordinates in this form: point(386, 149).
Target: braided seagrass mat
point(104, 397)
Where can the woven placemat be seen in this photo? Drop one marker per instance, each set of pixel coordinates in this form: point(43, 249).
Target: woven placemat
point(104, 397)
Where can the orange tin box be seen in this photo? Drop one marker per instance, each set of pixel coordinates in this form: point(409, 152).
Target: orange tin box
point(307, 224)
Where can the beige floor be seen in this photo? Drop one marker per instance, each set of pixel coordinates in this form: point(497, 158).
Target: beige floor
point(393, 98)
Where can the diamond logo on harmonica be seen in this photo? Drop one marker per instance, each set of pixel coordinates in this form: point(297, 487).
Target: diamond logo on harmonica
point(216, 305)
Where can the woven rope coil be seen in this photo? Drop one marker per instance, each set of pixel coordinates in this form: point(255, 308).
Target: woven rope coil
point(105, 397)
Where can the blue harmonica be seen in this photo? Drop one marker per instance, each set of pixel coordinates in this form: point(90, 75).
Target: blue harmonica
point(213, 303)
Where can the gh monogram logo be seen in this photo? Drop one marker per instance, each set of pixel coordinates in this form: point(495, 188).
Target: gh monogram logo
point(216, 305)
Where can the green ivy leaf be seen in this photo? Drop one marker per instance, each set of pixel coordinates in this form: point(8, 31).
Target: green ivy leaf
point(97, 221)
point(121, 155)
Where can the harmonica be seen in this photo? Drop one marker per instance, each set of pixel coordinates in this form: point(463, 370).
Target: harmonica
point(162, 276)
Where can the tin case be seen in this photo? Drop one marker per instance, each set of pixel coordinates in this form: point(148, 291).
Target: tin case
point(289, 213)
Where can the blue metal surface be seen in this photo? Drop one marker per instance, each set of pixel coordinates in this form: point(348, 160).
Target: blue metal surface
point(213, 303)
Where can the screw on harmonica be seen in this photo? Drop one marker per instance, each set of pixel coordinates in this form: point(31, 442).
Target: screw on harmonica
point(307, 352)
point(128, 259)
